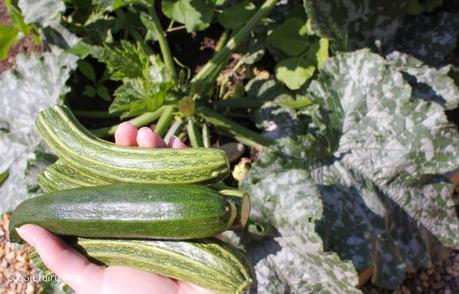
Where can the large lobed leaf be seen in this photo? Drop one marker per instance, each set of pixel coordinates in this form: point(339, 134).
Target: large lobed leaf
point(356, 23)
point(431, 38)
point(145, 79)
point(291, 257)
point(386, 25)
point(402, 144)
point(378, 151)
point(36, 82)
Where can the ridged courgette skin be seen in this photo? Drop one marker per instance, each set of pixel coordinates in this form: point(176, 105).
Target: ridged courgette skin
point(103, 160)
point(59, 176)
point(209, 263)
point(129, 211)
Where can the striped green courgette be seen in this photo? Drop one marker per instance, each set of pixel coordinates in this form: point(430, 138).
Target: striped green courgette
point(133, 211)
point(209, 263)
point(105, 161)
point(59, 176)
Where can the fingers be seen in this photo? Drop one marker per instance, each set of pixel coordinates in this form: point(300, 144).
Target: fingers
point(147, 138)
point(126, 135)
point(175, 142)
point(68, 264)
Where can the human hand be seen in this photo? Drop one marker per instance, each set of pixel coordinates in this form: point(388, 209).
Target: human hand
point(85, 277)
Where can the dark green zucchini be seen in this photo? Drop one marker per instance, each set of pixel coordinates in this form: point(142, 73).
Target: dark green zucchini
point(59, 176)
point(130, 211)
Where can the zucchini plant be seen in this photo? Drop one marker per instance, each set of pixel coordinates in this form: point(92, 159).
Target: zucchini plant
point(151, 88)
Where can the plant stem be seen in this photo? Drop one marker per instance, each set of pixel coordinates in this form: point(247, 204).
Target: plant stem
point(205, 135)
point(175, 127)
point(3, 176)
point(222, 40)
point(94, 114)
point(178, 28)
point(194, 134)
point(206, 76)
point(163, 45)
point(139, 121)
point(165, 120)
point(239, 132)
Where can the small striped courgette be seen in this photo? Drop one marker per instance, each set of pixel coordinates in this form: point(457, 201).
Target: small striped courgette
point(208, 263)
point(103, 160)
point(59, 176)
point(133, 211)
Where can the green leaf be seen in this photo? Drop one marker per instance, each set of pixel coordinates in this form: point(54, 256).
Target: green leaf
point(43, 76)
point(416, 140)
point(150, 25)
point(415, 7)
point(16, 18)
point(237, 15)
point(430, 84)
point(8, 37)
point(318, 52)
point(279, 121)
point(263, 89)
point(89, 91)
point(82, 49)
point(379, 150)
point(111, 5)
point(102, 92)
point(431, 38)
point(290, 37)
point(127, 61)
point(87, 70)
point(145, 93)
point(291, 258)
point(196, 15)
point(294, 72)
point(356, 23)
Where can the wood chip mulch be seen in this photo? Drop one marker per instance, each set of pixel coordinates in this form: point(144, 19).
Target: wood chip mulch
point(17, 274)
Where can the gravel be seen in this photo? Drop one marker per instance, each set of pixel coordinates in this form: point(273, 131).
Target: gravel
point(17, 274)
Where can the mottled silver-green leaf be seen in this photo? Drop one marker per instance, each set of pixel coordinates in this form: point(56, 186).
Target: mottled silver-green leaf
point(403, 144)
point(356, 23)
point(362, 224)
point(428, 83)
point(429, 37)
point(43, 12)
point(378, 153)
point(293, 258)
point(36, 82)
point(279, 122)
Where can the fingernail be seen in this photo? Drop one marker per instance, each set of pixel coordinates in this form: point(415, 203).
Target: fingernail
point(144, 129)
point(26, 236)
